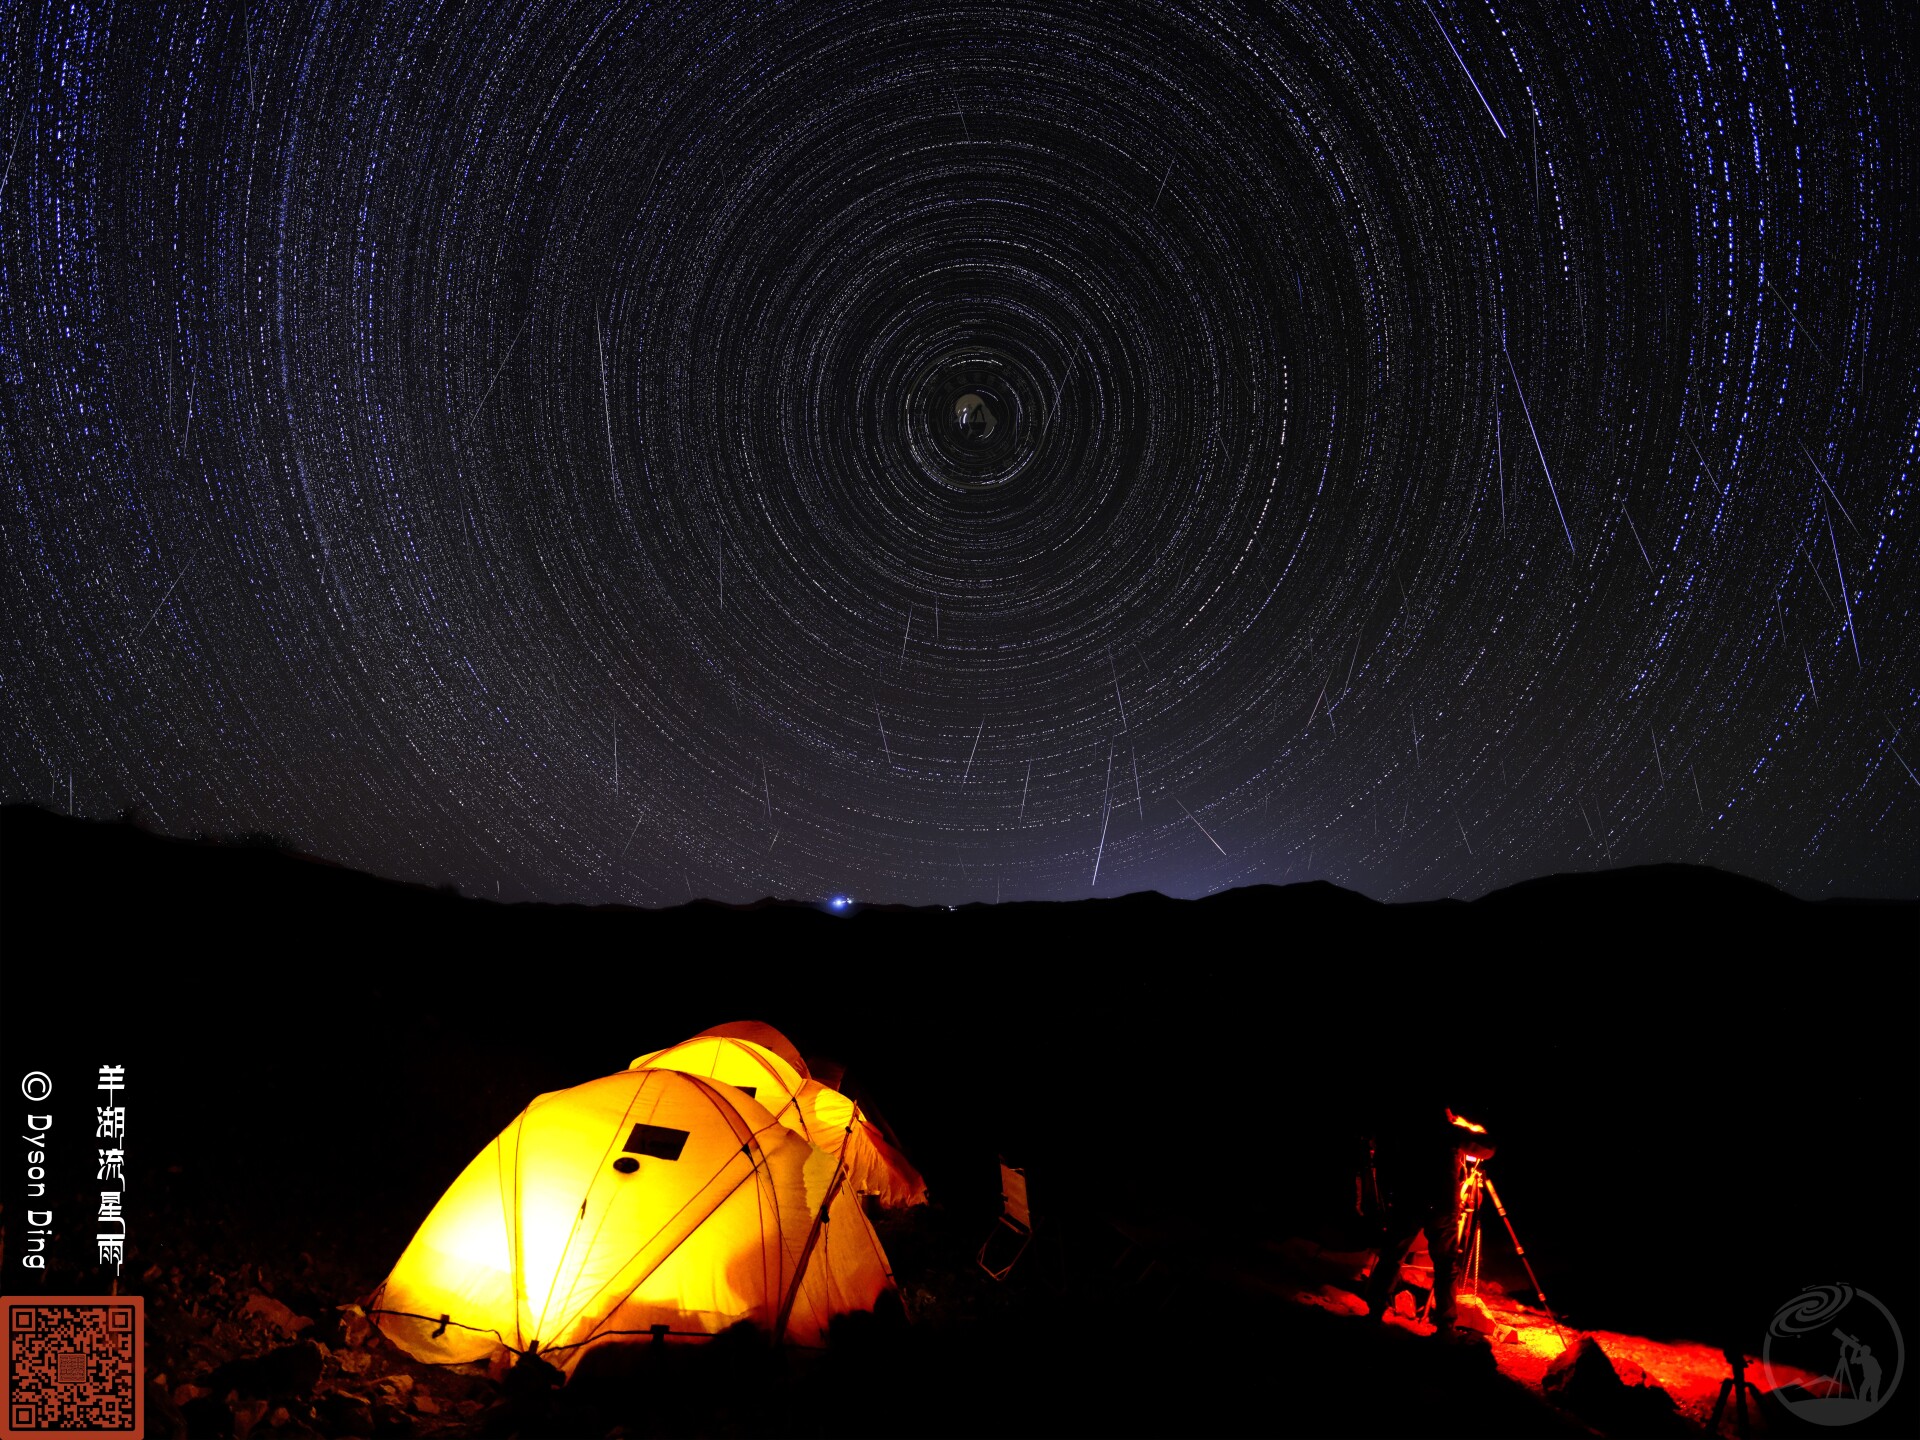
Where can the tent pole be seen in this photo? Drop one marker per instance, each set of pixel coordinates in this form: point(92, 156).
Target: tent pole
point(806, 1254)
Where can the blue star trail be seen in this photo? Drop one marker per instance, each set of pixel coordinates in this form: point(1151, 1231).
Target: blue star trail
point(608, 453)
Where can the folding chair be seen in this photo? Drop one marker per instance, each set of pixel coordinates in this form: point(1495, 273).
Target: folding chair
point(1014, 1230)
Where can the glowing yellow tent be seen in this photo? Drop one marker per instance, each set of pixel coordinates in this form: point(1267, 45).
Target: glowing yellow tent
point(766, 1037)
point(874, 1167)
point(743, 1063)
point(757, 1058)
point(643, 1200)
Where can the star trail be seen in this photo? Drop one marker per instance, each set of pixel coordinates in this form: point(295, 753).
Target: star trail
point(608, 452)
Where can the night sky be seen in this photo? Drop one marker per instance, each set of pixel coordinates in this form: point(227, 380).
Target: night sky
point(947, 452)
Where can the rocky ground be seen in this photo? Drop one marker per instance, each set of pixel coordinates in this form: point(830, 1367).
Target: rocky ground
point(1178, 1123)
point(1102, 1328)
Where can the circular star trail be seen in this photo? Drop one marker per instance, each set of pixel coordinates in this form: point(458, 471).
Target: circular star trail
point(939, 453)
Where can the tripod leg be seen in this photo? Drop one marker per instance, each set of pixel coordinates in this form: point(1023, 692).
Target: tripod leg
point(1719, 1406)
point(1468, 1242)
point(1519, 1249)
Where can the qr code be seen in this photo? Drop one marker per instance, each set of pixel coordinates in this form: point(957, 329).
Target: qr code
point(73, 1367)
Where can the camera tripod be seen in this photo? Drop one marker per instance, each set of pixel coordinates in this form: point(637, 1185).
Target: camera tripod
point(1479, 1184)
point(1736, 1387)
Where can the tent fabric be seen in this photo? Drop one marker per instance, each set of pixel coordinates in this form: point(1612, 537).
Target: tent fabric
point(742, 1063)
point(643, 1199)
point(755, 1056)
point(874, 1167)
point(766, 1037)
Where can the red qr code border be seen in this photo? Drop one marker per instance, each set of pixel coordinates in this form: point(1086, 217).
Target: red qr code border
point(129, 1306)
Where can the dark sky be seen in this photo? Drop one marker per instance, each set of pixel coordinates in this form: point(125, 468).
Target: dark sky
point(1429, 445)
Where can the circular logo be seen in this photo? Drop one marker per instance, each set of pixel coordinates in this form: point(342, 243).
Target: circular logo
point(1844, 1339)
point(974, 418)
point(35, 1085)
point(972, 422)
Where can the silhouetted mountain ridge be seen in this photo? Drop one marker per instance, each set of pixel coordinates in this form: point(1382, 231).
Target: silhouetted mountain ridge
point(28, 832)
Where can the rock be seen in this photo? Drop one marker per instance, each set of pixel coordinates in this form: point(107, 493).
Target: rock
point(346, 1415)
point(396, 1388)
point(1630, 1374)
point(1587, 1381)
point(391, 1420)
point(246, 1415)
point(426, 1404)
point(354, 1325)
point(206, 1417)
point(1336, 1300)
point(276, 1315)
point(164, 1420)
point(354, 1362)
point(1581, 1374)
point(1472, 1317)
point(290, 1370)
point(459, 1383)
point(279, 1417)
point(185, 1395)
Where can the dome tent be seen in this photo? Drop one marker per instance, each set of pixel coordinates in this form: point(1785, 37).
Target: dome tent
point(757, 1058)
point(744, 1064)
point(837, 1124)
point(767, 1038)
point(644, 1202)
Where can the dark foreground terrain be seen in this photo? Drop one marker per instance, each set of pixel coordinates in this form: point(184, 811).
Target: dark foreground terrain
point(1704, 1093)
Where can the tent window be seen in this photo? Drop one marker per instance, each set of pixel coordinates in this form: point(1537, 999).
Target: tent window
point(753, 1090)
point(659, 1141)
